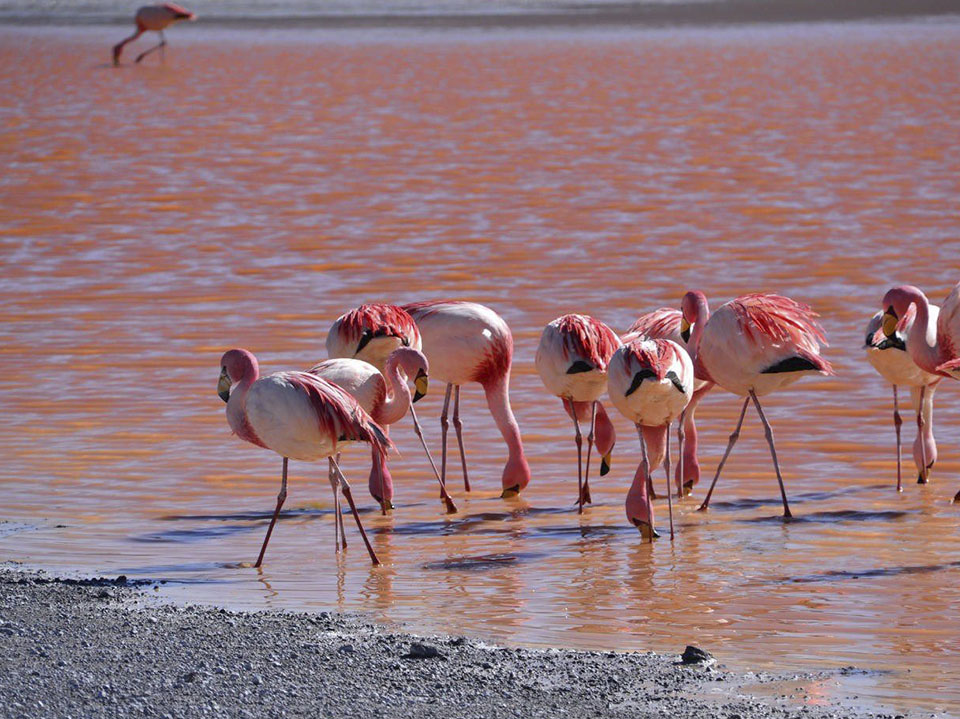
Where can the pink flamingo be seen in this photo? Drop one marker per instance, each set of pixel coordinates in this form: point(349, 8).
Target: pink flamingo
point(296, 415)
point(650, 383)
point(752, 346)
point(889, 357)
point(155, 18)
point(936, 352)
point(467, 342)
point(664, 323)
point(386, 398)
point(572, 361)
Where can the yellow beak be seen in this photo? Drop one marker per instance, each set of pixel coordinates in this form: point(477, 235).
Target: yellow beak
point(223, 386)
point(889, 323)
point(684, 329)
point(421, 383)
point(605, 463)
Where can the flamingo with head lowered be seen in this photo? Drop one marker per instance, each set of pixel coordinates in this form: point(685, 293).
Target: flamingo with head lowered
point(650, 382)
point(751, 346)
point(467, 342)
point(889, 356)
point(155, 18)
point(934, 347)
point(572, 361)
point(299, 416)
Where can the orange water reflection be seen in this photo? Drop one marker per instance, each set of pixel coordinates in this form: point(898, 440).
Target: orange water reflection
point(260, 184)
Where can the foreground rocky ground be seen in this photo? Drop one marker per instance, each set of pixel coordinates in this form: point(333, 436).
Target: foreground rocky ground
point(106, 648)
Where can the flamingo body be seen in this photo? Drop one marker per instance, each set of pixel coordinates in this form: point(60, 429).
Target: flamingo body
point(154, 18)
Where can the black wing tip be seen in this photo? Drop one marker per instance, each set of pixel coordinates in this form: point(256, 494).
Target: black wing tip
point(792, 364)
point(580, 366)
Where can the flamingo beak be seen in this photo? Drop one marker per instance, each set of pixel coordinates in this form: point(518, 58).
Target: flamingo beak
point(605, 463)
point(510, 492)
point(647, 530)
point(223, 386)
point(889, 322)
point(684, 329)
point(421, 383)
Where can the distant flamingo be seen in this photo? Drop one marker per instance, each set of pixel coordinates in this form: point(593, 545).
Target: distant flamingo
point(650, 383)
point(934, 352)
point(155, 18)
point(296, 415)
point(664, 323)
point(467, 342)
point(371, 332)
point(752, 346)
point(572, 361)
point(385, 397)
point(889, 357)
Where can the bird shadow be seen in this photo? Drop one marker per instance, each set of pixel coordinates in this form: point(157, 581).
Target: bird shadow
point(842, 515)
point(844, 574)
point(483, 562)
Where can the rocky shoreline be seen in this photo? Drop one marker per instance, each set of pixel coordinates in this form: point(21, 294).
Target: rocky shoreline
point(106, 647)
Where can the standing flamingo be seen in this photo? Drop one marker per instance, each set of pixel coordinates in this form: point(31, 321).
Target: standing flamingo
point(385, 397)
point(296, 415)
point(467, 342)
point(664, 323)
point(155, 18)
point(572, 361)
point(890, 358)
point(650, 383)
point(752, 346)
point(936, 352)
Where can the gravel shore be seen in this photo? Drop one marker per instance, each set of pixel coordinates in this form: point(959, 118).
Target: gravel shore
point(106, 647)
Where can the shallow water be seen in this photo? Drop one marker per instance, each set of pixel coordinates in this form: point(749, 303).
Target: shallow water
point(261, 183)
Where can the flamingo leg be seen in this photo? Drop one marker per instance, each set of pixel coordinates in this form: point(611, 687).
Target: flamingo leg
point(922, 478)
point(897, 421)
point(276, 513)
point(646, 472)
point(590, 439)
point(345, 488)
point(118, 48)
point(451, 507)
point(681, 434)
point(733, 441)
point(160, 46)
point(578, 438)
point(444, 428)
point(339, 536)
point(666, 462)
point(773, 453)
point(458, 425)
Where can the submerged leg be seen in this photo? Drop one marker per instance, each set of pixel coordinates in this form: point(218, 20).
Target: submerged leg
point(680, 437)
point(332, 478)
point(922, 478)
point(586, 499)
point(345, 488)
point(451, 507)
point(646, 471)
point(578, 438)
point(896, 424)
point(733, 441)
point(276, 513)
point(773, 452)
point(444, 428)
point(666, 462)
point(458, 425)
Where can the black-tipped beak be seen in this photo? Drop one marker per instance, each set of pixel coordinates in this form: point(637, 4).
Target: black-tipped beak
point(510, 492)
point(605, 464)
point(225, 396)
point(223, 386)
point(647, 530)
point(890, 321)
point(421, 383)
point(684, 330)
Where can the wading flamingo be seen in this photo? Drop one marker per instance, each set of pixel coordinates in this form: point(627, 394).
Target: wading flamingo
point(467, 342)
point(296, 415)
point(664, 323)
point(572, 361)
point(889, 357)
point(752, 346)
point(936, 352)
point(155, 18)
point(385, 397)
point(650, 383)
point(371, 332)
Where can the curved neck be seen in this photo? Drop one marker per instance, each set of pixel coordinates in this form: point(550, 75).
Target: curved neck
point(693, 346)
point(516, 471)
point(237, 409)
point(926, 355)
point(397, 402)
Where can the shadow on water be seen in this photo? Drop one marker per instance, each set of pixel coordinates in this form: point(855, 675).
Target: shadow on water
point(843, 515)
point(496, 523)
point(864, 573)
point(195, 535)
point(799, 498)
point(249, 516)
point(483, 562)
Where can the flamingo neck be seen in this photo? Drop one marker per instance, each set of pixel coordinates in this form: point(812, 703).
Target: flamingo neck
point(517, 471)
point(237, 408)
point(926, 355)
point(701, 317)
point(397, 402)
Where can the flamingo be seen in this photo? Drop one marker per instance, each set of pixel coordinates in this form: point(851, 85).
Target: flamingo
point(650, 383)
point(889, 357)
point(572, 361)
point(298, 415)
point(385, 397)
point(467, 342)
point(751, 346)
point(936, 351)
point(664, 323)
point(155, 18)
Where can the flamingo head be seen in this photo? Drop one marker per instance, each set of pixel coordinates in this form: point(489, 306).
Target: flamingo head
point(413, 363)
point(516, 476)
point(381, 484)
point(897, 303)
point(236, 365)
point(640, 508)
point(694, 309)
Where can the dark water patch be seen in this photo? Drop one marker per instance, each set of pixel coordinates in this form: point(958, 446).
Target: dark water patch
point(589, 531)
point(195, 535)
point(483, 562)
point(190, 567)
point(798, 498)
point(842, 515)
point(249, 516)
point(446, 529)
point(839, 574)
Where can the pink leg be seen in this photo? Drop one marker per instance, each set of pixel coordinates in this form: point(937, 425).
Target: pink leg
point(586, 499)
point(922, 478)
point(666, 462)
point(444, 428)
point(118, 48)
point(733, 441)
point(773, 453)
point(646, 471)
point(578, 438)
point(680, 437)
point(451, 507)
point(276, 513)
point(163, 43)
point(345, 488)
point(458, 425)
point(896, 425)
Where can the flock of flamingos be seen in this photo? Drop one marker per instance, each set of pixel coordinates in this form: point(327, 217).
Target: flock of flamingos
point(655, 374)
